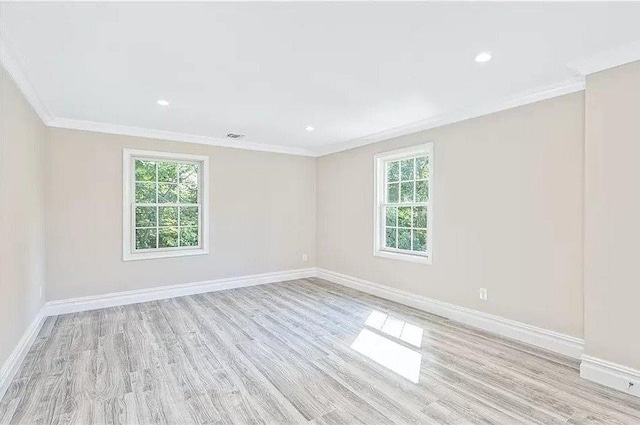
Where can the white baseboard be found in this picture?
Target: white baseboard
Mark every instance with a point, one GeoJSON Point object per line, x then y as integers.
{"type": "Point", "coordinates": [13, 363]}
{"type": "Point", "coordinates": [610, 374]}
{"type": "Point", "coordinates": [73, 305]}
{"type": "Point", "coordinates": [594, 369]}
{"type": "Point", "coordinates": [553, 341]}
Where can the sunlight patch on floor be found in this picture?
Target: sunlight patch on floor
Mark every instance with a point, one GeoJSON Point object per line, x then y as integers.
{"type": "Point", "coordinates": [396, 328]}
{"type": "Point", "coordinates": [395, 357]}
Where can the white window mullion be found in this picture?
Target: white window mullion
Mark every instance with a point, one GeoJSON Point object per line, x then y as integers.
{"type": "Point", "coordinates": [179, 200]}
{"type": "Point", "coordinates": [133, 226]}
{"type": "Point", "coordinates": [157, 210]}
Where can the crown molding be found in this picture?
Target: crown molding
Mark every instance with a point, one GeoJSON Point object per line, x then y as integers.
{"type": "Point", "coordinates": [608, 59]}
{"type": "Point", "coordinates": [12, 64]}
{"type": "Point", "coordinates": [123, 130]}
{"type": "Point", "coordinates": [524, 98]}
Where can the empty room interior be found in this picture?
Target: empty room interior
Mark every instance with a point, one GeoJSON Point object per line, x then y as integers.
{"type": "Point", "coordinates": [323, 213]}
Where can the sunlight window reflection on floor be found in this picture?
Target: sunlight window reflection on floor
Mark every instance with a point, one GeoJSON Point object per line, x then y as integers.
{"type": "Point", "coordinates": [396, 328]}
{"type": "Point", "coordinates": [395, 357]}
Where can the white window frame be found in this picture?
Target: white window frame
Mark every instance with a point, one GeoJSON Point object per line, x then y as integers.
{"type": "Point", "coordinates": [380, 179]}
{"type": "Point", "coordinates": [128, 213]}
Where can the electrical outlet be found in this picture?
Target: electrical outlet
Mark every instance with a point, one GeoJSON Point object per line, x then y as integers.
{"type": "Point", "coordinates": [304, 257]}
{"type": "Point", "coordinates": [483, 294]}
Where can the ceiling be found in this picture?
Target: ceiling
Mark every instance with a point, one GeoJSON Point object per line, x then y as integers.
{"type": "Point", "coordinates": [356, 72]}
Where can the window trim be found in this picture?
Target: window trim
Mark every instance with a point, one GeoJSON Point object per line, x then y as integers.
{"type": "Point", "coordinates": [128, 253]}
{"type": "Point", "coordinates": [379, 200]}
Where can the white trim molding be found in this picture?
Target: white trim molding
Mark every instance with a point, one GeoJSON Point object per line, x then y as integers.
{"type": "Point", "coordinates": [74, 305]}
{"type": "Point", "coordinates": [609, 374]}
{"type": "Point", "coordinates": [451, 117]}
{"type": "Point", "coordinates": [14, 66]}
{"type": "Point", "coordinates": [594, 369]}
{"type": "Point", "coordinates": [12, 365]}
{"type": "Point", "coordinates": [607, 59]}
{"type": "Point", "coordinates": [149, 133]}
{"type": "Point", "coordinates": [554, 341]}
{"type": "Point", "coordinates": [530, 96]}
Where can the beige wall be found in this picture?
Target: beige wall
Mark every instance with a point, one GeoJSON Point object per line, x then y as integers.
{"type": "Point", "coordinates": [507, 215]}
{"type": "Point", "coordinates": [262, 215]}
{"type": "Point", "coordinates": [22, 136]}
{"type": "Point", "coordinates": [612, 215]}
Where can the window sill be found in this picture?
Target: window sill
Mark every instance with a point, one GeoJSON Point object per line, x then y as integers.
{"type": "Point", "coordinates": [163, 254]}
{"type": "Point", "coordinates": [403, 257]}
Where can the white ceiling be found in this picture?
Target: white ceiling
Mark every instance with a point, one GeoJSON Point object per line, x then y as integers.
{"type": "Point", "coordinates": [267, 70]}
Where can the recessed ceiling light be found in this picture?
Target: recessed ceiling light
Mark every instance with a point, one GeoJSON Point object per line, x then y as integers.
{"type": "Point", "coordinates": [483, 57]}
{"type": "Point", "coordinates": [309, 128]}
{"type": "Point", "coordinates": [162, 102]}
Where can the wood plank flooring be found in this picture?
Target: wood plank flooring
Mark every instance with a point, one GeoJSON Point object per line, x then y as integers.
{"type": "Point", "coordinates": [299, 352]}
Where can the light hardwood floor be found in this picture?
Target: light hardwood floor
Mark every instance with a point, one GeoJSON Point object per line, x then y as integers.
{"type": "Point", "coordinates": [296, 352]}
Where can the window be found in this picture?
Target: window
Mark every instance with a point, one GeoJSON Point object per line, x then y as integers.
{"type": "Point", "coordinates": [165, 204]}
{"type": "Point", "coordinates": [403, 213]}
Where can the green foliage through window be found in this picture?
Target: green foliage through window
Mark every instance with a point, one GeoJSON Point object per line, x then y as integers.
{"type": "Point", "coordinates": [393, 171]}
{"type": "Point", "coordinates": [146, 238]}
{"type": "Point", "coordinates": [146, 217]}
{"type": "Point", "coordinates": [145, 171]}
{"type": "Point", "coordinates": [406, 169]}
{"type": "Point", "coordinates": [407, 196]}
{"type": "Point", "coordinates": [166, 209]}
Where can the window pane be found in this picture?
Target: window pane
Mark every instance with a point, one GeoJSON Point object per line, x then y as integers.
{"type": "Point", "coordinates": [406, 192]}
{"type": "Point", "coordinates": [420, 217]}
{"type": "Point", "coordinates": [422, 168]}
{"type": "Point", "coordinates": [390, 241]}
{"type": "Point", "coordinates": [422, 191]}
{"type": "Point", "coordinates": [188, 173]}
{"type": "Point", "coordinates": [146, 217]}
{"type": "Point", "coordinates": [404, 238]}
{"type": "Point", "coordinates": [392, 192]}
{"type": "Point", "coordinates": [145, 171]}
{"type": "Point", "coordinates": [392, 216]}
{"type": "Point", "coordinates": [393, 171]}
{"type": "Point", "coordinates": [146, 193]}
{"type": "Point", "coordinates": [404, 217]}
{"type": "Point", "coordinates": [405, 203]}
{"type": "Point", "coordinates": [406, 169]}
{"type": "Point", "coordinates": [188, 194]}
{"type": "Point", "coordinates": [168, 172]}
{"type": "Point", "coordinates": [168, 237]}
{"type": "Point", "coordinates": [420, 240]}
{"type": "Point", "coordinates": [168, 216]}
{"type": "Point", "coordinates": [189, 236]}
{"type": "Point", "coordinates": [146, 238]}
{"type": "Point", "coordinates": [167, 192]}
{"type": "Point", "coordinates": [188, 216]}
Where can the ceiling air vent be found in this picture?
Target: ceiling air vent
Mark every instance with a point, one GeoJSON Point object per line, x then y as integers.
{"type": "Point", "coordinates": [235, 136]}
